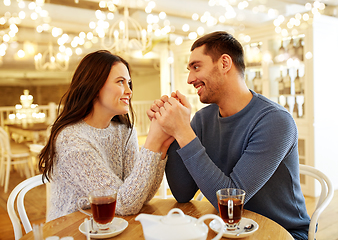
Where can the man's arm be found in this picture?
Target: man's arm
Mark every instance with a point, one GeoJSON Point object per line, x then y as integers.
{"type": "Point", "coordinates": [273, 139]}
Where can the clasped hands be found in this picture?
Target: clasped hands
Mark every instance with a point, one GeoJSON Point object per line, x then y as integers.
{"type": "Point", "coordinates": [173, 116]}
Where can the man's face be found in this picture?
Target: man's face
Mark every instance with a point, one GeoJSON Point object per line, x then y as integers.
{"type": "Point", "coordinates": [205, 76]}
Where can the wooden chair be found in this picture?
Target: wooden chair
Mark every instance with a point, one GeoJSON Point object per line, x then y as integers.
{"type": "Point", "coordinates": [13, 154]}
{"type": "Point", "coordinates": [325, 196]}
{"type": "Point", "coordinates": [19, 192]}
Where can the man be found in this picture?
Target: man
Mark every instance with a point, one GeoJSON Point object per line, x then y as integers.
{"type": "Point", "coordinates": [241, 140]}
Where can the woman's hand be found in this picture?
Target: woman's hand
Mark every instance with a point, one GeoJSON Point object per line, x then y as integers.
{"type": "Point", "coordinates": [157, 140]}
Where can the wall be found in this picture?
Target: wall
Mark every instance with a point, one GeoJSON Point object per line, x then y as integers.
{"type": "Point", "coordinates": [146, 87]}
{"type": "Point", "coordinates": [10, 95]}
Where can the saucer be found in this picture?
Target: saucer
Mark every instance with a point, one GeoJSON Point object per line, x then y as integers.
{"type": "Point", "coordinates": [118, 224]}
{"type": "Point", "coordinates": [215, 226]}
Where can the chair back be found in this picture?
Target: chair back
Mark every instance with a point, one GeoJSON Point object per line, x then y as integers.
{"type": "Point", "coordinates": [5, 142]}
{"type": "Point", "coordinates": [19, 192]}
{"type": "Point", "coordinates": [325, 197]}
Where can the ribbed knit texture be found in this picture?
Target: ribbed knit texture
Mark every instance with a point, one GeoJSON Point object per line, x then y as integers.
{"type": "Point", "coordinates": [256, 150]}
{"type": "Point", "coordinates": [89, 158]}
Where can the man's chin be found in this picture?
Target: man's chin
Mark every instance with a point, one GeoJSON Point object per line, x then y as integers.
{"type": "Point", "coordinates": [203, 100]}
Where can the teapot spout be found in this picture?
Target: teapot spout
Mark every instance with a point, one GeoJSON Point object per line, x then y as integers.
{"type": "Point", "coordinates": [147, 220]}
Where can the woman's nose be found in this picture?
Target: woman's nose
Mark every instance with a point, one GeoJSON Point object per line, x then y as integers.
{"type": "Point", "coordinates": [127, 89]}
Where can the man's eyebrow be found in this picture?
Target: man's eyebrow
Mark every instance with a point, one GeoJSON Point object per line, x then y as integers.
{"type": "Point", "coordinates": [191, 64]}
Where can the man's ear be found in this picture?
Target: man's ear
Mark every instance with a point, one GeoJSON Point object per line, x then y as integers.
{"type": "Point", "coordinates": [225, 62]}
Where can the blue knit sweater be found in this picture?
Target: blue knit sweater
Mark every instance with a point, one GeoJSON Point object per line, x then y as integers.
{"type": "Point", "coordinates": [255, 150]}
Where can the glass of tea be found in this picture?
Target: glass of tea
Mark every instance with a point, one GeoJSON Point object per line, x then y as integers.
{"type": "Point", "coordinates": [230, 205]}
{"type": "Point", "coordinates": [103, 204]}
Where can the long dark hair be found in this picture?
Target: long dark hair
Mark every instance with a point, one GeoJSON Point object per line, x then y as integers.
{"type": "Point", "coordinates": [88, 79]}
{"type": "Point", "coordinates": [219, 43]}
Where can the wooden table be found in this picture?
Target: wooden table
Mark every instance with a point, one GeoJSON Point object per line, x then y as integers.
{"type": "Point", "coordinates": [68, 225]}
{"type": "Point", "coordinates": [36, 132]}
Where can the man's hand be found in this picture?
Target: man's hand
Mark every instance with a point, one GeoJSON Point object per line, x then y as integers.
{"type": "Point", "coordinates": [174, 117]}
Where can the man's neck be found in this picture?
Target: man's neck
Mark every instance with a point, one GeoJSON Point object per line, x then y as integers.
{"type": "Point", "coordinates": [235, 102]}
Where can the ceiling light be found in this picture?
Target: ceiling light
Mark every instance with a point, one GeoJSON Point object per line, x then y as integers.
{"type": "Point", "coordinates": [22, 15]}
{"type": "Point", "coordinates": [162, 15]}
{"type": "Point", "coordinates": [200, 31]}
{"type": "Point", "coordinates": [7, 2]}
{"type": "Point", "coordinates": [195, 17]}
{"type": "Point", "coordinates": [51, 61]}
{"type": "Point", "coordinates": [126, 34]}
{"type": "Point", "coordinates": [192, 35]}
{"type": "Point", "coordinates": [185, 27]}
{"type": "Point", "coordinates": [178, 41]}
{"type": "Point", "coordinates": [32, 5]}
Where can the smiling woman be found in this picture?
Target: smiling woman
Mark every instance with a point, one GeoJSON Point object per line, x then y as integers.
{"type": "Point", "coordinates": [93, 143]}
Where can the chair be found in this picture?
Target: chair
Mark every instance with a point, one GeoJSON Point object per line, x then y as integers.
{"type": "Point", "coordinates": [13, 154]}
{"type": "Point", "coordinates": [35, 150]}
{"type": "Point", "coordinates": [19, 192]}
{"type": "Point", "coordinates": [325, 197]}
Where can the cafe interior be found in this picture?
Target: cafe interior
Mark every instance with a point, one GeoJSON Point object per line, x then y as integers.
{"type": "Point", "coordinates": [285, 41]}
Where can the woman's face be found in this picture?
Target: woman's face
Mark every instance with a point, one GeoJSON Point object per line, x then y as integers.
{"type": "Point", "coordinates": [115, 94]}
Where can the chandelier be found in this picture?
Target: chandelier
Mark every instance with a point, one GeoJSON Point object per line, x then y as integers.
{"type": "Point", "coordinates": [49, 61]}
{"type": "Point", "coordinates": [127, 35]}
{"type": "Point", "coordinates": [26, 112]}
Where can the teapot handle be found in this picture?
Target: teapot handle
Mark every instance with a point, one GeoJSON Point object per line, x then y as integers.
{"type": "Point", "coordinates": [176, 210]}
{"type": "Point", "coordinates": [220, 220]}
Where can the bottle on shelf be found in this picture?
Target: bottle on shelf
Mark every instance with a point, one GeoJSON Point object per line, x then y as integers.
{"type": "Point", "coordinates": [287, 83]}
{"type": "Point", "coordinates": [257, 82]}
{"type": "Point", "coordinates": [281, 50]}
{"type": "Point", "coordinates": [257, 60]}
{"type": "Point", "coordinates": [281, 55]}
{"type": "Point", "coordinates": [295, 112]}
{"type": "Point", "coordinates": [298, 85]}
{"type": "Point", "coordinates": [291, 50]}
{"type": "Point", "coordinates": [300, 50]}
{"type": "Point", "coordinates": [280, 83]}
{"type": "Point", "coordinates": [287, 107]}
{"type": "Point", "coordinates": [302, 84]}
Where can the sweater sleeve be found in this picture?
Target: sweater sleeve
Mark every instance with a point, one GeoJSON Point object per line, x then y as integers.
{"type": "Point", "coordinates": [272, 138]}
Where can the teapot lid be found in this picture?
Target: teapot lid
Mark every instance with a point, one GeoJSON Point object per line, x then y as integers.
{"type": "Point", "coordinates": [173, 218]}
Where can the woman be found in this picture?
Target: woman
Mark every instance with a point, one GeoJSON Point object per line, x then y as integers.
{"type": "Point", "coordinates": [93, 143]}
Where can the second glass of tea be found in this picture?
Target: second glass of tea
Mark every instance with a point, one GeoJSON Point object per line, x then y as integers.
{"type": "Point", "coordinates": [230, 204]}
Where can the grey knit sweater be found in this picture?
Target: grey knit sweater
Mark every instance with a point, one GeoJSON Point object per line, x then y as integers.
{"type": "Point", "coordinates": [88, 158]}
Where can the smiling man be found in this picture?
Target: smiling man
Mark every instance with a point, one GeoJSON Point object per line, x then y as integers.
{"type": "Point", "coordinates": [241, 140]}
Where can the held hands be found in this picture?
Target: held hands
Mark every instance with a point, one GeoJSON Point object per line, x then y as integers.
{"type": "Point", "coordinates": [173, 114]}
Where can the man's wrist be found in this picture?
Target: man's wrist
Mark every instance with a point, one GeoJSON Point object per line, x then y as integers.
{"type": "Point", "coordinates": [185, 137]}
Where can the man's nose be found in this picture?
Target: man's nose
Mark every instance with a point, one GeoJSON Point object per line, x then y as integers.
{"type": "Point", "coordinates": [191, 78]}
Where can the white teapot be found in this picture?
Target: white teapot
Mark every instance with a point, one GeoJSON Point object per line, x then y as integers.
{"type": "Point", "coordinates": [176, 225]}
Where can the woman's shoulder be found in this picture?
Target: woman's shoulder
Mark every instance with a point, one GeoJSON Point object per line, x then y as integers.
{"type": "Point", "coordinates": [71, 130]}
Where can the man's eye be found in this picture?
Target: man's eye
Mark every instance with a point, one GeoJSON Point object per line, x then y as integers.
{"type": "Point", "coordinates": [195, 67]}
